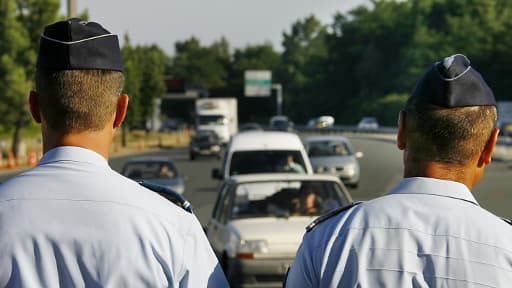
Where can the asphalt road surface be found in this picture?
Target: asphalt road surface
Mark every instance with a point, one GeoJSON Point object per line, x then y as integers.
{"type": "Point", "coordinates": [381, 169]}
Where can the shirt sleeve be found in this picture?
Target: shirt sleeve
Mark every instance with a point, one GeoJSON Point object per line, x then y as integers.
{"type": "Point", "coordinates": [302, 273]}
{"type": "Point", "coordinates": [201, 266]}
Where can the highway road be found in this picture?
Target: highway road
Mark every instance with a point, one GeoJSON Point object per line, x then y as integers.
{"type": "Point", "coordinates": [381, 169]}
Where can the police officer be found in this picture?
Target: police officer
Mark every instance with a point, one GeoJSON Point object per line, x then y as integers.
{"type": "Point", "coordinates": [72, 221]}
{"type": "Point", "coordinates": [429, 231]}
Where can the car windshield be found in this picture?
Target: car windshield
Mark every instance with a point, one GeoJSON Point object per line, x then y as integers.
{"type": "Point", "coordinates": [286, 198]}
{"type": "Point", "coordinates": [212, 120]}
{"type": "Point", "coordinates": [150, 170]}
{"type": "Point", "coordinates": [328, 148]}
{"type": "Point", "coordinates": [266, 161]}
{"type": "Point", "coordinates": [204, 138]}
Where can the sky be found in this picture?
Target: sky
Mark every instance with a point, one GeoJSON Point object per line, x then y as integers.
{"type": "Point", "coordinates": [241, 22]}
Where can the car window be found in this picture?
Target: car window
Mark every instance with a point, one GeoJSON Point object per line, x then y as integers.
{"type": "Point", "coordinates": [212, 120]}
{"type": "Point", "coordinates": [224, 206]}
{"type": "Point", "coordinates": [248, 162]}
{"type": "Point", "coordinates": [150, 170]}
{"type": "Point", "coordinates": [286, 198]}
{"type": "Point", "coordinates": [218, 204]}
{"type": "Point", "coordinates": [328, 148]}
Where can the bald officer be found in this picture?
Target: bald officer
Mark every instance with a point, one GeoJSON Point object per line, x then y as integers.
{"type": "Point", "coordinates": [72, 221]}
{"type": "Point", "coordinates": [428, 231]}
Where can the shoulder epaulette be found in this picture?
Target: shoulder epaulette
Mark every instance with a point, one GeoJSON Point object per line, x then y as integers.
{"type": "Point", "coordinates": [329, 215]}
{"type": "Point", "coordinates": [507, 220]}
{"type": "Point", "coordinates": [169, 194]}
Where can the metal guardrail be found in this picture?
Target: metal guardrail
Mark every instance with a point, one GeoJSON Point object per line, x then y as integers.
{"type": "Point", "coordinates": [347, 128]}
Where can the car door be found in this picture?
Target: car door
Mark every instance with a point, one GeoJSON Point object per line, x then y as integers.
{"type": "Point", "coordinates": [216, 225]}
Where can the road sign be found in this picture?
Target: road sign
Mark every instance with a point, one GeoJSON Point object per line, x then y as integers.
{"type": "Point", "coordinates": [258, 83]}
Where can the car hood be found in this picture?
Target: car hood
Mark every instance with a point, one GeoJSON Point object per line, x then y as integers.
{"type": "Point", "coordinates": [283, 235]}
{"type": "Point", "coordinates": [332, 161]}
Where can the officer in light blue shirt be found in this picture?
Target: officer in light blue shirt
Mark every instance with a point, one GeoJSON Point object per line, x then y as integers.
{"type": "Point", "coordinates": [74, 222]}
{"type": "Point", "coordinates": [429, 231]}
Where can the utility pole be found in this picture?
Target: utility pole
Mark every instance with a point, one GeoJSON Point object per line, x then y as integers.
{"type": "Point", "coordinates": [279, 98]}
{"type": "Point", "coordinates": [71, 8]}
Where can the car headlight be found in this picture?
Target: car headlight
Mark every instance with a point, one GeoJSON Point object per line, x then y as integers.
{"type": "Point", "coordinates": [215, 148]}
{"type": "Point", "coordinates": [195, 148]}
{"type": "Point", "coordinates": [247, 248]}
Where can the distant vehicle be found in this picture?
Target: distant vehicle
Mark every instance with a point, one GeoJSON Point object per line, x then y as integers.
{"type": "Point", "coordinates": [251, 126]}
{"type": "Point", "coordinates": [321, 122]}
{"type": "Point", "coordinates": [258, 222]}
{"type": "Point", "coordinates": [263, 152]}
{"type": "Point", "coordinates": [205, 143]}
{"type": "Point", "coordinates": [280, 123]}
{"type": "Point", "coordinates": [173, 125]}
{"type": "Point", "coordinates": [334, 155]}
{"type": "Point", "coordinates": [368, 123]}
{"type": "Point", "coordinates": [156, 170]}
{"type": "Point", "coordinates": [219, 115]}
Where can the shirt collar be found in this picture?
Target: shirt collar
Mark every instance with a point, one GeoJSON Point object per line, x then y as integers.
{"type": "Point", "coordinates": [432, 186]}
{"type": "Point", "coordinates": [73, 153]}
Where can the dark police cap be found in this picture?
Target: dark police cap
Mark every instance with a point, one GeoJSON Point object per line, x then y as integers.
{"type": "Point", "coordinates": [78, 45]}
{"type": "Point", "coordinates": [453, 83]}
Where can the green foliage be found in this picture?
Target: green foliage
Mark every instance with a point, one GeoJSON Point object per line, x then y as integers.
{"type": "Point", "coordinates": [143, 71]}
{"type": "Point", "coordinates": [202, 66]}
{"type": "Point", "coordinates": [14, 87]}
{"type": "Point", "coordinates": [386, 109]}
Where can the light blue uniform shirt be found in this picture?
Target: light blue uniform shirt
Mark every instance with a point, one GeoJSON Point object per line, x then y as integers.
{"type": "Point", "coordinates": [74, 222]}
{"type": "Point", "coordinates": [424, 233]}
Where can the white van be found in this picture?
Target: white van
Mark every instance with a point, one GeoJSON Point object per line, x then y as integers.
{"type": "Point", "coordinates": [264, 152]}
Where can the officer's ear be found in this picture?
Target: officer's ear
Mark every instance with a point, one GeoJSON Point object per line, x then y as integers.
{"type": "Point", "coordinates": [34, 106]}
{"type": "Point", "coordinates": [400, 139]}
{"type": "Point", "coordinates": [122, 106]}
{"type": "Point", "coordinates": [486, 155]}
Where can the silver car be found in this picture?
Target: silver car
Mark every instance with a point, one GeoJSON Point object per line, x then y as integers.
{"type": "Point", "coordinates": [157, 170]}
{"type": "Point", "coordinates": [334, 155]}
{"type": "Point", "coordinates": [259, 219]}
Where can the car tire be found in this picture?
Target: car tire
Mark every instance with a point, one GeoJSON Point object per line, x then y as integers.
{"type": "Point", "coordinates": [192, 156]}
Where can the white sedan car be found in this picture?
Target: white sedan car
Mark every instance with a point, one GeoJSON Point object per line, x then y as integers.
{"type": "Point", "coordinates": [258, 222]}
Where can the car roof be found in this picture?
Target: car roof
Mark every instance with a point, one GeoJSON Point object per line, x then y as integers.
{"type": "Point", "coordinates": [149, 159]}
{"type": "Point", "coordinates": [265, 140]}
{"type": "Point", "coordinates": [271, 177]}
{"type": "Point", "coordinates": [325, 138]}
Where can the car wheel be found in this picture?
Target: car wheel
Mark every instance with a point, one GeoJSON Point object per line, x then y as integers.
{"type": "Point", "coordinates": [192, 156]}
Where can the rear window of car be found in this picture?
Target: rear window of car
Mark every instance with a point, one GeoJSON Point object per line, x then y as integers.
{"type": "Point", "coordinates": [266, 161]}
{"type": "Point", "coordinates": [149, 170]}
{"type": "Point", "coordinates": [328, 148]}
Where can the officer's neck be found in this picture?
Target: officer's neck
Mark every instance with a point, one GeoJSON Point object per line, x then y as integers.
{"type": "Point", "coordinates": [464, 174]}
{"type": "Point", "coordinates": [97, 141]}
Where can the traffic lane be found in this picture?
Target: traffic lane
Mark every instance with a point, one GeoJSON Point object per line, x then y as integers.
{"type": "Point", "coordinates": [200, 188]}
{"type": "Point", "coordinates": [382, 169]}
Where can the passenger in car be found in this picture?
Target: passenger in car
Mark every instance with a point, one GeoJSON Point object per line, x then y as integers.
{"type": "Point", "coordinates": [291, 166]}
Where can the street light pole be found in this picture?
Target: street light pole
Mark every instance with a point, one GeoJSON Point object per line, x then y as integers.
{"type": "Point", "coordinates": [279, 98]}
{"type": "Point", "coordinates": [71, 8]}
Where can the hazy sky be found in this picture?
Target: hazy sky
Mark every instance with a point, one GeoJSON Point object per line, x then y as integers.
{"type": "Point", "coordinates": [241, 22]}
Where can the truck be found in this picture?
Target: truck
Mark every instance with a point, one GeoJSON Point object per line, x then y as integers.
{"type": "Point", "coordinates": [219, 115]}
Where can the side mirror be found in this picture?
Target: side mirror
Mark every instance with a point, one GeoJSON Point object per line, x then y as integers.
{"type": "Point", "coordinates": [359, 154]}
{"type": "Point", "coordinates": [216, 174]}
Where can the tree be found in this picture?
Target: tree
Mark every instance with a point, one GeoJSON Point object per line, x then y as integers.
{"type": "Point", "coordinates": [152, 85]}
{"type": "Point", "coordinates": [303, 59]}
{"type": "Point", "coordinates": [14, 85]}
{"type": "Point", "coordinates": [202, 66]}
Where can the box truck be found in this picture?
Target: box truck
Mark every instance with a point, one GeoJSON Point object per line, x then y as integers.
{"type": "Point", "coordinates": [219, 115]}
